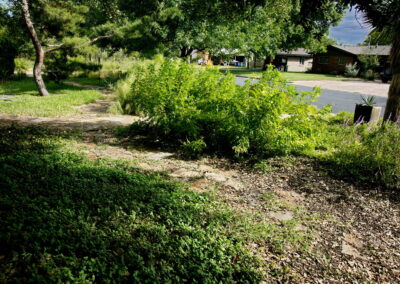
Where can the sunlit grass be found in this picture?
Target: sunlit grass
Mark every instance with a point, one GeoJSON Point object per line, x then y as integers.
{"type": "Point", "coordinates": [22, 98]}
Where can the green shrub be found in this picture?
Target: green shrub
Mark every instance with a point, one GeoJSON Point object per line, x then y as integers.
{"type": "Point", "coordinates": [368, 154]}
{"type": "Point", "coordinates": [188, 103]}
{"type": "Point", "coordinates": [23, 65]}
{"type": "Point", "coordinates": [369, 75]}
{"type": "Point", "coordinates": [351, 70]}
{"type": "Point", "coordinates": [368, 62]}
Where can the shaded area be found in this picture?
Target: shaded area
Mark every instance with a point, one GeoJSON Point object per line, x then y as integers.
{"type": "Point", "coordinates": [27, 87]}
{"type": "Point", "coordinates": [64, 218]}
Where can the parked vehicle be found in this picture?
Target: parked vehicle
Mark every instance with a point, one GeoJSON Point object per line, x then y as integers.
{"type": "Point", "coordinates": [386, 74]}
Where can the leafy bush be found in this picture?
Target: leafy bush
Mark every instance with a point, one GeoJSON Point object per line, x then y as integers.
{"type": "Point", "coordinates": [351, 70]}
{"type": "Point", "coordinates": [368, 154]}
{"type": "Point", "coordinates": [188, 103]}
{"type": "Point", "coordinates": [368, 62]}
{"type": "Point", "coordinates": [369, 75]}
{"type": "Point", "coordinates": [65, 219]}
{"type": "Point", "coordinates": [23, 65]}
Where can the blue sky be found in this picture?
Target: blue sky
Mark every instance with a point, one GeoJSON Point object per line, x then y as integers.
{"type": "Point", "coordinates": [351, 30]}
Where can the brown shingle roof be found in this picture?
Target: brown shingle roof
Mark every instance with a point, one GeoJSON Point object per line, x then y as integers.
{"type": "Point", "coordinates": [365, 50]}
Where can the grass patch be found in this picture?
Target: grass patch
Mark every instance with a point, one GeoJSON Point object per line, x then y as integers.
{"type": "Point", "coordinates": [21, 97]}
{"type": "Point", "coordinates": [294, 76]}
{"type": "Point", "coordinates": [93, 81]}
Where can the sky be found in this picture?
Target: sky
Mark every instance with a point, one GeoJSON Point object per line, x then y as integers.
{"type": "Point", "coordinates": [351, 31]}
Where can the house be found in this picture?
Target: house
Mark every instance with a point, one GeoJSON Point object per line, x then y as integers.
{"type": "Point", "coordinates": [299, 60]}
{"type": "Point", "coordinates": [336, 57]}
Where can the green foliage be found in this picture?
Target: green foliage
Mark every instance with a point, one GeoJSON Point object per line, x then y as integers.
{"type": "Point", "coordinates": [62, 64]}
{"type": "Point", "coordinates": [369, 75]}
{"type": "Point", "coordinates": [379, 37]}
{"type": "Point", "coordinates": [65, 219]}
{"type": "Point", "coordinates": [10, 41]}
{"type": "Point", "coordinates": [368, 154]}
{"type": "Point", "coordinates": [368, 62]}
{"type": "Point", "coordinates": [23, 65]}
{"type": "Point", "coordinates": [194, 148]}
{"type": "Point", "coordinates": [369, 101]}
{"type": "Point", "coordinates": [23, 99]}
{"type": "Point", "coordinates": [351, 70]}
{"type": "Point", "coordinates": [188, 103]}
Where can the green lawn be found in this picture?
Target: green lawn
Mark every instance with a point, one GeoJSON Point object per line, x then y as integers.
{"type": "Point", "coordinates": [294, 76]}
{"type": "Point", "coordinates": [21, 97]}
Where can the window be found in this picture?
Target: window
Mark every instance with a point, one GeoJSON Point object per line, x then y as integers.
{"type": "Point", "coordinates": [324, 60]}
{"type": "Point", "coordinates": [341, 60]}
{"type": "Point", "coordinates": [301, 60]}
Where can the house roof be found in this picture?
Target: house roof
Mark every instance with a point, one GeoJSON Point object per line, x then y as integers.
{"type": "Point", "coordinates": [301, 52]}
{"type": "Point", "coordinates": [365, 50]}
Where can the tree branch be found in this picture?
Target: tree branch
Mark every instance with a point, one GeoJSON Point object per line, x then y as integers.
{"type": "Point", "coordinates": [99, 38]}
{"type": "Point", "coordinates": [60, 46]}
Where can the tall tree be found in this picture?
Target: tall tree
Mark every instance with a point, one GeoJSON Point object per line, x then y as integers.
{"type": "Point", "coordinates": [40, 52]}
{"type": "Point", "coordinates": [52, 26]}
{"type": "Point", "coordinates": [12, 37]}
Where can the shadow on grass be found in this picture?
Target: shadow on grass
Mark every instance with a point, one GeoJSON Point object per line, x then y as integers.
{"type": "Point", "coordinates": [27, 87]}
{"type": "Point", "coordinates": [64, 218]}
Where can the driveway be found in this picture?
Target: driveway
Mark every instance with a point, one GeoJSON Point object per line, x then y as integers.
{"type": "Point", "coordinates": [341, 95]}
{"type": "Point", "coordinates": [360, 87]}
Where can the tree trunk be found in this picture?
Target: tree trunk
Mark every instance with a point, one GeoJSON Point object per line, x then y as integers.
{"type": "Point", "coordinates": [186, 51]}
{"type": "Point", "coordinates": [267, 61]}
{"type": "Point", "coordinates": [40, 52]}
{"type": "Point", "coordinates": [392, 111]}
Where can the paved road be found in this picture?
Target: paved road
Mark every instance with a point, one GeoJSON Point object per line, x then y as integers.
{"type": "Point", "coordinates": [340, 101]}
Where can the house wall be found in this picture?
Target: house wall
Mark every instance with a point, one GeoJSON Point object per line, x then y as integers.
{"type": "Point", "coordinates": [294, 64]}
{"type": "Point", "coordinates": [332, 61]}
{"type": "Point", "coordinates": [329, 63]}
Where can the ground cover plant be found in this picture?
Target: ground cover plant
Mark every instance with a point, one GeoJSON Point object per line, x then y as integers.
{"type": "Point", "coordinates": [365, 153]}
{"type": "Point", "coordinates": [65, 218]}
{"type": "Point", "coordinates": [21, 97]}
{"type": "Point", "coordinates": [206, 111]}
